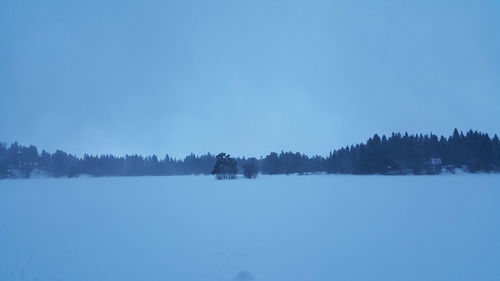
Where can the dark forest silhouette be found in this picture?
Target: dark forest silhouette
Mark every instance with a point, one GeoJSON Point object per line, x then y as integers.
{"type": "Point", "coordinates": [393, 155]}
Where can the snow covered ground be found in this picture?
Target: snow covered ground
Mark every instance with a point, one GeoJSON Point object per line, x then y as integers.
{"type": "Point", "coordinates": [307, 228]}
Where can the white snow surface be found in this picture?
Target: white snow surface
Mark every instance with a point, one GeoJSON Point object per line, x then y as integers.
{"type": "Point", "coordinates": [304, 228]}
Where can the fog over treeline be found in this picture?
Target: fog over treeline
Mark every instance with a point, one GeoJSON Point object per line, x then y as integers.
{"type": "Point", "coordinates": [392, 155]}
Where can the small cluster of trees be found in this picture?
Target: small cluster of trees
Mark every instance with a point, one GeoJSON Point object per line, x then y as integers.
{"type": "Point", "coordinates": [396, 154]}
{"type": "Point", "coordinates": [226, 167]}
{"type": "Point", "coordinates": [250, 169]}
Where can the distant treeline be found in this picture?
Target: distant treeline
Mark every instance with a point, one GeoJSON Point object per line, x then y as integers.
{"type": "Point", "coordinates": [396, 154]}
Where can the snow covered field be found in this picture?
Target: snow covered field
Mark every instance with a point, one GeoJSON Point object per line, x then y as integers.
{"type": "Point", "coordinates": [275, 228]}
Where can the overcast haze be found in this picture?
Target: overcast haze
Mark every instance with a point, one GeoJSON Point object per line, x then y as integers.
{"type": "Point", "coordinates": [244, 77]}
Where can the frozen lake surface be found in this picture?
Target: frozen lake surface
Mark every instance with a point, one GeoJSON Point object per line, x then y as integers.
{"type": "Point", "coordinates": [275, 228]}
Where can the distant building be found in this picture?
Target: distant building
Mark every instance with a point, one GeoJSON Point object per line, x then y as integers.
{"type": "Point", "coordinates": [435, 161]}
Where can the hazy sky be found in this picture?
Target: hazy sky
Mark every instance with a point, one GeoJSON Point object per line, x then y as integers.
{"type": "Point", "coordinates": [244, 77]}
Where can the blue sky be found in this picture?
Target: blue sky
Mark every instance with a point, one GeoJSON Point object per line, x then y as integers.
{"type": "Point", "coordinates": [245, 77]}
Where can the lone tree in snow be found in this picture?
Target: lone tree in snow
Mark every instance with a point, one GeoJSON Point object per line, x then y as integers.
{"type": "Point", "coordinates": [225, 167]}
